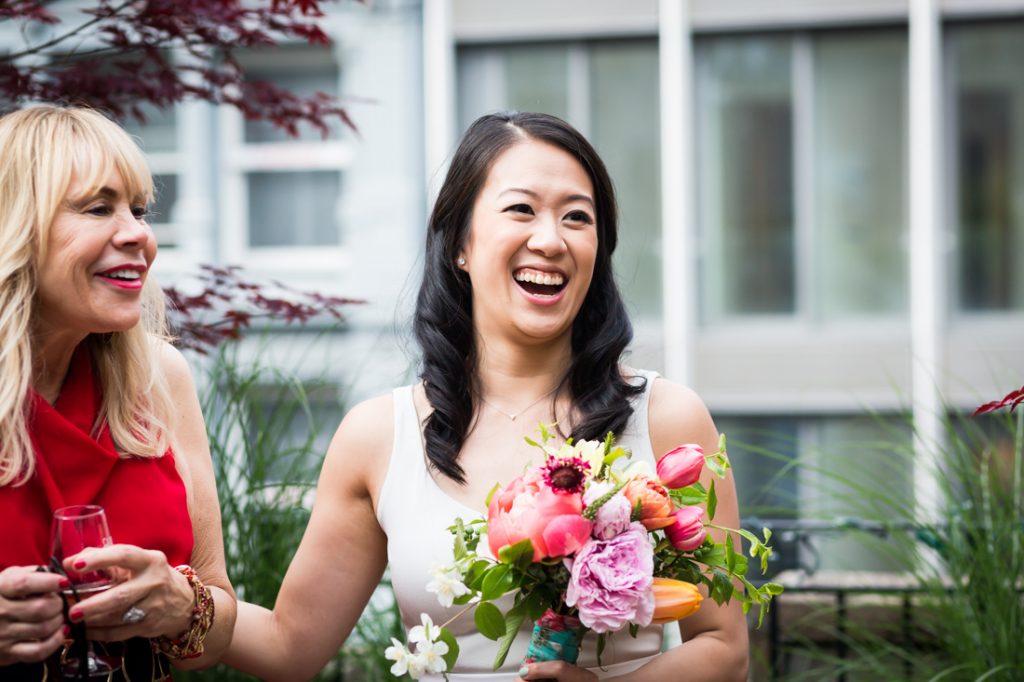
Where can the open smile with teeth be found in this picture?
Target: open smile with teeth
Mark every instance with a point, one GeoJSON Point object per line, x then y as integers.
{"type": "Point", "coordinates": [539, 283]}
{"type": "Point", "coordinates": [125, 275]}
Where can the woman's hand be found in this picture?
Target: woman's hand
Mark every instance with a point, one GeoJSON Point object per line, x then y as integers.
{"type": "Point", "coordinates": [31, 618]}
{"type": "Point", "coordinates": [555, 670]}
{"type": "Point", "coordinates": [148, 597]}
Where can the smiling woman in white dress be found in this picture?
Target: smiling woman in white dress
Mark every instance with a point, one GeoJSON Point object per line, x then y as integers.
{"type": "Point", "coordinates": [519, 322]}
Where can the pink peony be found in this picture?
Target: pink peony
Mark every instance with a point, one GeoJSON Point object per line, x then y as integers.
{"type": "Point", "coordinates": [687, 531]}
{"type": "Point", "coordinates": [681, 466]}
{"type": "Point", "coordinates": [613, 517]}
{"type": "Point", "coordinates": [611, 581]}
{"type": "Point", "coordinates": [528, 509]}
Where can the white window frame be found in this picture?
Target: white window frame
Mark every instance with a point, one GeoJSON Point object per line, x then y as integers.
{"type": "Point", "coordinates": [239, 158]}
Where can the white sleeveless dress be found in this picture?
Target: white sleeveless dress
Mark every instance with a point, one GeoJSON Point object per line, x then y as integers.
{"type": "Point", "coordinates": [415, 514]}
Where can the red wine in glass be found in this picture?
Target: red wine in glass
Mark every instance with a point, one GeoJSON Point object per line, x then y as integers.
{"type": "Point", "coordinates": [74, 529]}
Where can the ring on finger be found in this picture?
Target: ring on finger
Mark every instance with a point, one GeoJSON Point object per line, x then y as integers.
{"type": "Point", "coordinates": [133, 615]}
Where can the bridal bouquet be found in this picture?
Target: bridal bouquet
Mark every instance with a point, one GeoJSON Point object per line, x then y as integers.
{"type": "Point", "coordinates": [587, 541]}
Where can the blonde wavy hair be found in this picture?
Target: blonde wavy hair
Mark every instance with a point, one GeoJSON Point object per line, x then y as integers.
{"type": "Point", "coordinates": [43, 148]}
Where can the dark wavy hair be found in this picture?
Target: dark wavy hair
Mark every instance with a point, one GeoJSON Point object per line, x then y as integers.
{"type": "Point", "coordinates": [443, 322]}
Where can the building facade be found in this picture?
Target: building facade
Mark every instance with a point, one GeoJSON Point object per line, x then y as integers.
{"type": "Point", "coordinates": [822, 201]}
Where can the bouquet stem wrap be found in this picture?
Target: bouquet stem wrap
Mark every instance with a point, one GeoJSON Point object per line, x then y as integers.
{"type": "Point", "coordinates": [555, 637]}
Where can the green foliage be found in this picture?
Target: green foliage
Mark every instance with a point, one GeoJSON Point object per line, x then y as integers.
{"type": "Point", "coordinates": [263, 428]}
{"type": "Point", "coordinates": [966, 564]}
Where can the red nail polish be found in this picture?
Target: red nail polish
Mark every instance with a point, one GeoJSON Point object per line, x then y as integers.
{"type": "Point", "coordinates": [67, 631]}
{"type": "Point", "coordinates": [79, 563]}
{"type": "Point", "coordinates": [75, 615]}
{"type": "Point", "coordinates": [64, 583]}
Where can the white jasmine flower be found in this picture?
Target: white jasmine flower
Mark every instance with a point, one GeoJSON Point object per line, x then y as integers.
{"type": "Point", "coordinates": [425, 632]}
{"type": "Point", "coordinates": [446, 584]}
{"type": "Point", "coordinates": [400, 655]}
{"type": "Point", "coordinates": [430, 655]}
{"type": "Point", "coordinates": [416, 667]}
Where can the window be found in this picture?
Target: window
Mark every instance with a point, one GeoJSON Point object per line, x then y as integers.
{"type": "Point", "coordinates": [800, 175]}
{"type": "Point", "coordinates": [823, 468]}
{"type": "Point", "coordinates": [987, 98]}
{"type": "Point", "coordinates": [763, 451]}
{"type": "Point", "coordinates": [609, 91]}
{"type": "Point", "coordinates": [289, 428]}
{"type": "Point", "coordinates": [285, 193]}
{"type": "Point", "coordinates": [158, 137]}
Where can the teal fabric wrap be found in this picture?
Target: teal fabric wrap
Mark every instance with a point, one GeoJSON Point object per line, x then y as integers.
{"type": "Point", "coordinates": [555, 638]}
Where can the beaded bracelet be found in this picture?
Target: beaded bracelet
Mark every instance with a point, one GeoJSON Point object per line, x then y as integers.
{"type": "Point", "coordinates": [189, 644]}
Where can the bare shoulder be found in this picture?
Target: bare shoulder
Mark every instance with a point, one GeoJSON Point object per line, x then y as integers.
{"type": "Point", "coordinates": [676, 415]}
{"type": "Point", "coordinates": [173, 366]}
{"type": "Point", "coordinates": [361, 447]}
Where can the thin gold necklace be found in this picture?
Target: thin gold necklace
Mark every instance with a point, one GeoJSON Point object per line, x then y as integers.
{"type": "Point", "coordinates": [514, 415]}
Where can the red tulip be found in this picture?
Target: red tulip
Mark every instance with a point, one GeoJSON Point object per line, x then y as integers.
{"type": "Point", "coordinates": [687, 531]}
{"type": "Point", "coordinates": [681, 467]}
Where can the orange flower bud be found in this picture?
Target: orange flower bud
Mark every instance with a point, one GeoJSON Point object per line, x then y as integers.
{"type": "Point", "coordinates": [655, 505]}
{"type": "Point", "coordinates": [674, 600]}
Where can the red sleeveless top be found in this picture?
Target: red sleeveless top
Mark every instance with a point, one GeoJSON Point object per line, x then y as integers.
{"type": "Point", "coordinates": [144, 496]}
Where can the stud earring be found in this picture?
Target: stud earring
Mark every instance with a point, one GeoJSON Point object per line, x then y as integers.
{"type": "Point", "coordinates": [460, 261]}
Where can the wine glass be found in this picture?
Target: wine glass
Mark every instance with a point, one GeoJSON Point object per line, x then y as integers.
{"type": "Point", "coordinates": [74, 529]}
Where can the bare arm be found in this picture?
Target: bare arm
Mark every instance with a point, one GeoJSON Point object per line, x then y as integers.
{"type": "Point", "coordinates": [338, 564]}
{"type": "Point", "coordinates": [193, 449]}
{"type": "Point", "coordinates": [163, 593]}
{"type": "Point", "coordinates": [715, 646]}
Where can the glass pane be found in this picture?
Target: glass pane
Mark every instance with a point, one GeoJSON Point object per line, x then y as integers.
{"type": "Point", "coordinates": [480, 83]}
{"type": "Point", "coordinates": [762, 451]}
{"type": "Point", "coordinates": [166, 187]}
{"type": "Point", "coordinates": [745, 175]}
{"type": "Point", "coordinates": [159, 132]}
{"type": "Point", "coordinates": [536, 79]}
{"type": "Point", "coordinates": [289, 442]}
{"type": "Point", "coordinates": [624, 121]}
{"type": "Point", "coordinates": [304, 71]}
{"type": "Point", "coordinates": [989, 96]}
{"type": "Point", "coordinates": [859, 172]}
{"type": "Point", "coordinates": [294, 209]}
{"type": "Point", "coordinates": [860, 467]}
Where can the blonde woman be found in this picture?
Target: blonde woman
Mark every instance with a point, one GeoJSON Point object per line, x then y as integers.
{"type": "Point", "coordinates": [96, 408]}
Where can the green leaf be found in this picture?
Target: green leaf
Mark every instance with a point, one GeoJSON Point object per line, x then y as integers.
{"type": "Point", "coordinates": [514, 554]}
{"type": "Point", "coordinates": [453, 648]}
{"type": "Point", "coordinates": [459, 546]}
{"type": "Point", "coordinates": [495, 488]}
{"type": "Point", "coordinates": [513, 620]}
{"type": "Point", "coordinates": [534, 605]}
{"type": "Point", "coordinates": [634, 629]}
{"type": "Point", "coordinates": [688, 496]}
{"type": "Point", "coordinates": [721, 588]}
{"type": "Point", "coordinates": [497, 581]}
{"type": "Point", "coordinates": [712, 501]}
{"type": "Point", "coordinates": [489, 621]}
{"type": "Point", "coordinates": [730, 554]}
{"type": "Point", "coordinates": [614, 455]}
{"type": "Point", "coordinates": [600, 646]}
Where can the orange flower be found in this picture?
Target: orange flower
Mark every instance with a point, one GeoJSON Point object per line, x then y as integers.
{"type": "Point", "coordinates": [674, 600]}
{"type": "Point", "coordinates": [655, 505]}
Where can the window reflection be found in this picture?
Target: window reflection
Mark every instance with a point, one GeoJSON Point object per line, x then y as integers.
{"type": "Point", "coordinates": [293, 208]}
{"type": "Point", "coordinates": [989, 101]}
{"type": "Point", "coordinates": [745, 175]}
